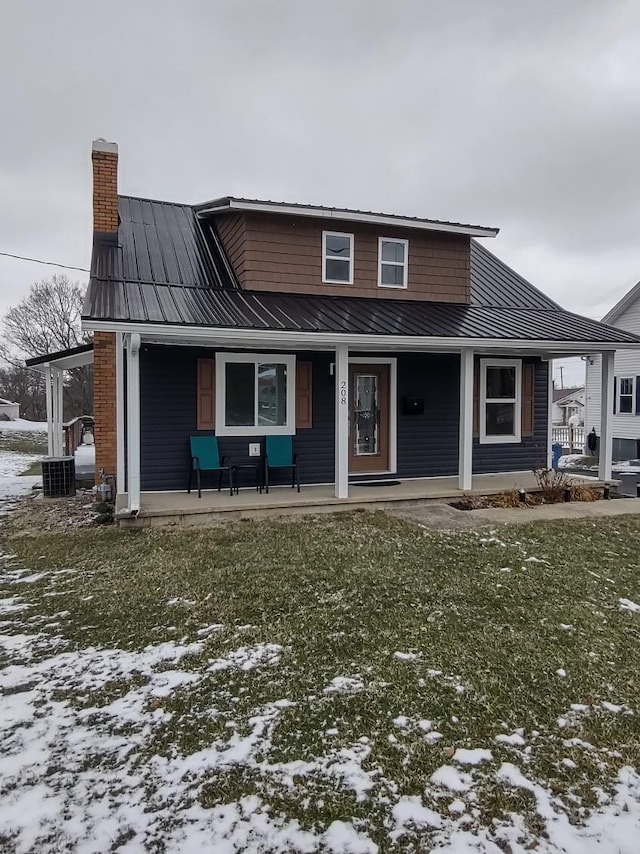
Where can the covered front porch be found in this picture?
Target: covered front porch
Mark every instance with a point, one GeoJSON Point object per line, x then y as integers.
{"type": "Point", "coordinates": [181, 508]}
{"type": "Point", "coordinates": [437, 452]}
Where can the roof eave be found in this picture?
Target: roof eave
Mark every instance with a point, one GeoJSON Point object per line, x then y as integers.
{"type": "Point", "coordinates": [230, 205]}
{"type": "Point", "coordinates": [621, 306]}
{"type": "Point", "coordinates": [262, 337]}
{"type": "Point", "coordinates": [72, 357]}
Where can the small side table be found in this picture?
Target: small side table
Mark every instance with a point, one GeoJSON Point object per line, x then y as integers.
{"type": "Point", "coordinates": [256, 468]}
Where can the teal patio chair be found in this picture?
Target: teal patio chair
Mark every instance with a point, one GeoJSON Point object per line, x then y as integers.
{"type": "Point", "coordinates": [206, 457]}
{"type": "Point", "coordinates": [279, 455]}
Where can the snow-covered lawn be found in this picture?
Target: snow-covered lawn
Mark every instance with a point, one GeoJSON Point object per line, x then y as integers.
{"type": "Point", "coordinates": [22, 443]}
{"type": "Point", "coordinates": [343, 684]}
{"type": "Point", "coordinates": [12, 464]}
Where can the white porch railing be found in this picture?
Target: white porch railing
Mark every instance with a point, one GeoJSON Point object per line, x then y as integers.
{"type": "Point", "coordinates": [571, 438]}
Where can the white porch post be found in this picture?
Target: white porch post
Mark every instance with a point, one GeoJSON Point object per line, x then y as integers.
{"type": "Point", "coordinates": [550, 413]}
{"type": "Point", "coordinates": [342, 422]}
{"type": "Point", "coordinates": [465, 450]}
{"type": "Point", "coordinates": [58, 389]}
{"type": "Point", "coordinates": [120, 440]}
{"type": "Point", "coordinates": [48, 390]}
{"type": "Point", "coordinates": [606, 417]}
{"type": "Point", "coordinates": [133, 422]}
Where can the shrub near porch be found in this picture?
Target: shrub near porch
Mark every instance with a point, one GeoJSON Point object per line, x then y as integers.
{"type": "Point", "coordinates": [347, 683]}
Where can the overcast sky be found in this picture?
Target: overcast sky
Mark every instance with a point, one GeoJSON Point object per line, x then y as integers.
{"type": "Point", "coordinates": [523, 115]}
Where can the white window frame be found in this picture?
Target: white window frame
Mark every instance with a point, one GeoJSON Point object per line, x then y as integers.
{"type": "Point", "coordinates": [351, 237]}
{"type": "Point", "coordinates": [517, 401]}
{"type": "Point", "coordinates": [224, 359]}
{"type": "Point", "coordinates": [404, 264]}
{"type": "Point", "coordinates": [620, 395]}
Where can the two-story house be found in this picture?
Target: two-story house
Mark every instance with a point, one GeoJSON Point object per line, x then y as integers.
{"type": "Point", "coordinates": [625, 430]}
{"type": "Point", "coordinates": [389, 347]}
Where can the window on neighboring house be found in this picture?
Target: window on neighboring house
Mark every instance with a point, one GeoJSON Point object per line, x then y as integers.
{"type": "Point", "coordinates": [337, 258]}
{"type": "Point", "coordinates": [393, 262]}
{"type": "Point", "coordinates": [500, 400]}
{"type": "Point", "coordinates": [255, 394]}
{"type": "Point", "coordinates": [626, 395]}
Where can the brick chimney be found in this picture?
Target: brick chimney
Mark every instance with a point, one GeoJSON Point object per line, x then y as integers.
{"type": "Point", "coordinates": [104, 159]}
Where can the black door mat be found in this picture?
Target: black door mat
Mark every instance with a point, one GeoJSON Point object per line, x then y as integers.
{"type": "Point", "coordinates": [374, 483]}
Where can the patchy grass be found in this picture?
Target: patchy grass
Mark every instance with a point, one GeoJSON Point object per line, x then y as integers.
{"type": "Point", "coordinates": [328, 668]}
{"type": "Point", "coordinates": [23, 443]}
{"type": "Point", "coordinates": [34, 470]}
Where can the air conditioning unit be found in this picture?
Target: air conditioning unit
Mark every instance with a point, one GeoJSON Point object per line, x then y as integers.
{"type": "Point", "coordinates": [58, 477]}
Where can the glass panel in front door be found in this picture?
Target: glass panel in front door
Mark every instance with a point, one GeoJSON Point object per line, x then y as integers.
{"type": "Point", "coordinates": [366, 415]}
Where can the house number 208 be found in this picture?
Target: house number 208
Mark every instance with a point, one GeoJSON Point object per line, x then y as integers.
{"type": "Point", "coordinates": [343, 393]}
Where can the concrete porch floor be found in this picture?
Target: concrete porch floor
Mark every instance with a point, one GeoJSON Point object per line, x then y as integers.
{"type": "Point", "coordinates": [181, 508]}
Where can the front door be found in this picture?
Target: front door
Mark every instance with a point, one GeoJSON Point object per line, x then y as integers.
{"type": "Point", "coordinates": [368, 418]}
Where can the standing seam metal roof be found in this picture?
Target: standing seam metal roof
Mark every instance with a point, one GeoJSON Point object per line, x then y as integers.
{"type": "Point", "coordinates": [169, 267]}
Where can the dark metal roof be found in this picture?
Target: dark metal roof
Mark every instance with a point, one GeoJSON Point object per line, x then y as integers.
{"type": "Point", "coordinates": [59, 354]}
{"type": "Point", "coordinates": [234, 201]}
{"type": "Point", "coordinates": [495, 283]}
{"type": "Point", "coordinates": [237, 309]}
{"type": "Point", "coordinates": [163, 243]}
{"type": "Point", "coordinates": [169, 268]}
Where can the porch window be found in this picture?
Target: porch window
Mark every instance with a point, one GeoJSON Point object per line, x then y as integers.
{"type": "Point", "coordinates": [626, 395]}
{"type": "Point", "coordinates": [500, 400]}
{"type": "Point", "coordinates": [393, 261]}
{"type": "Point", "coordinates": [255, 394]}
{"type": "Point", "coordinates": [337, 258]}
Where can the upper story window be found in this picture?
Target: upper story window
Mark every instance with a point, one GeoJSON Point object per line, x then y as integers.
{"type": "Point", "coordinates": [626, 395]}
{"type": "Point", "coordinates": [337, 258]}
{"type": "Point", "coordinates": [500, 400]}
{"type": "Point", "coordinates": [393, 262]}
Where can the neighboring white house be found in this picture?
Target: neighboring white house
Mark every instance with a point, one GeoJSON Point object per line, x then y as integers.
{"type": "Point", "coordinates": [9, 409]}
{"type": "Point", "coordinates": [626, 418]}
{"type": "Point", "coordinates": [568, 403]}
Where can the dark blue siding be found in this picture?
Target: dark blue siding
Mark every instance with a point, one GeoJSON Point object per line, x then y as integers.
{"type": "Point", "coordinates": [532, 451]}
{"type": "Point", "coordinates": [168, 418]}
{"type": "Point", "coordinates": [427, 443]}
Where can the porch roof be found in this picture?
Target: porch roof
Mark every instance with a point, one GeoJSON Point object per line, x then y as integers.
{"type": "Point", "coordinates": [177, 306]}
{"type": "Point", "coordinates": [72, 357]}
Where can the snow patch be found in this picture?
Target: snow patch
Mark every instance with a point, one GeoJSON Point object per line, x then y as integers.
{"type": "Point", "coordinates": [628, 605]}
{"type": "Point", "coordinates": [248, 657]}
{"type": "Point", "coordinates": [514, 740]}
{"type": "Point", "coordinates": [472, 757]}
{"type": "Point", "coordinates": [451, 778]}
{"type": "Point", "coordinates": [410, 812]}
{"type": "Point", "coordinates": [406, 656]}
{"type": "Point", "coordinates": [345, 685]}
{"type": "Point", "coordinates": [342, 838]}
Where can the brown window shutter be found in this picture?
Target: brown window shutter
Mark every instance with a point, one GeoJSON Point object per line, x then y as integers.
{"type": "Point", "coordinates": [527, 398]}
{"type": "Point", "coordinates": [303, 394]}
{"type": "Point", "coordinates": [476, 399]}
{"type": "Point", "coordinates": [206, 394]}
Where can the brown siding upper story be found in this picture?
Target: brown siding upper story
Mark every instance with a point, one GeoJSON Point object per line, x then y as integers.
{"type": "Point", "coordinates": [278, 252]}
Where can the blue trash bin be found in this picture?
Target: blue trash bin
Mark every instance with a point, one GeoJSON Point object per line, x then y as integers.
{"type": "Point", "coordinates": [556, 453]}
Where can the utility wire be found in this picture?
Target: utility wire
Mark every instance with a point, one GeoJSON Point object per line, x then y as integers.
{"type": "Point", "coordinates": [49, 263]}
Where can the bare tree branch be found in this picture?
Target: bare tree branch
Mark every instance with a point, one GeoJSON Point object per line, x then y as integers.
{"type": "Point", "coordinates": [46, 320]}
